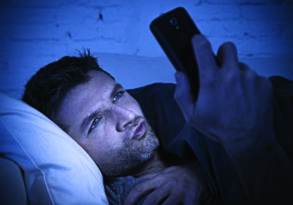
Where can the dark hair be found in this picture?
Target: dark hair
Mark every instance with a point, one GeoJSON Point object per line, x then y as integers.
{"type": "Point", "coordinates": [47, 88]}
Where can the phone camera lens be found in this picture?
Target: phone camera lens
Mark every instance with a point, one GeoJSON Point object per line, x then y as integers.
{"type": "Point", "coordinates": [174, 22]}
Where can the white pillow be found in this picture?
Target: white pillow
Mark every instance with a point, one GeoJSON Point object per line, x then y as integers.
{"type": "Point", "coordinates": [56, 169]}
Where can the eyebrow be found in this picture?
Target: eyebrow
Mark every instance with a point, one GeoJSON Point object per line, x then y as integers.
{"type": "Point", "coordinates": [115, 89]}
{"type": "Point", "coordinates": [90, 117]}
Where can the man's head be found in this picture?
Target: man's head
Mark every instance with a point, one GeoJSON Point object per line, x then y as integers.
{"type": "Point", "coordinates": [95, 111]}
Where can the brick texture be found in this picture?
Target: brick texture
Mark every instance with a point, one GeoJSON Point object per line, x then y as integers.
{"type": "Point", "coordinates": [35, 32]}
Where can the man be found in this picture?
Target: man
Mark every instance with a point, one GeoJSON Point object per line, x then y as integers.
{"type": "Point", "coordinates": [216, 143]}
{"type": "Point", "coordinates": [109, 124]}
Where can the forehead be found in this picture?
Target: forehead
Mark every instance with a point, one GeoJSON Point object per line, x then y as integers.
{"type": "Point", "coordinates": [85, 98]}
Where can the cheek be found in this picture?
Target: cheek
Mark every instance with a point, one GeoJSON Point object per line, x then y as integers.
{"type": "Point", "coordinates": [97, 149]}
{"type": "Point", "coordinates": [137, 109]}
{"type": "Point", "coordinates": [111, 140]}
{"type": "Point", "coordinates": [132, 104]}
{"type": "Point", "coordinates": [104, 140]}
{"type": "Point", "coordinates": [102, 150]}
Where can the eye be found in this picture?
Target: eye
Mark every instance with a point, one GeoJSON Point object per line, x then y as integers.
{"type": "Point", "coordinates": [95, 123]}
{"type": "Point", "coordinates": [118, 95]}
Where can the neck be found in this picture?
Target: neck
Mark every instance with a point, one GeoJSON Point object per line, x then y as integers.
{"type": "Point", "coordinates": [154, 165]}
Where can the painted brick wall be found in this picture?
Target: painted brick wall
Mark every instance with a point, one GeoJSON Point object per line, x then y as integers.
{"type": "Point", "coordinates": [35, 32]}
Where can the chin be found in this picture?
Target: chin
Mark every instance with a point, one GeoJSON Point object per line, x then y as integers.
{"type": "Point", "coordinates": [147, 156]}
{"type": "Point", "coordinates": [151, 150]}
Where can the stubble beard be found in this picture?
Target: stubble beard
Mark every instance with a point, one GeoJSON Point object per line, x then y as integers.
{"type": "Point", "coordinates": [133, 155]}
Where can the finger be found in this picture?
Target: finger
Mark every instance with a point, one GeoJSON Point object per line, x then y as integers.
{"type": "Point", "coordinates": [204, 56]}
{"type": "Point", "coordinates": [148, 176]}
{"type": "Point", "coordinates": [135, 196]}
{"type": "Point", "coordinates": [227, 55]}
{"type": "Point", "coordinates": [182, 95]}
{"type": "Point", "coordinates": [243, 66]}
{"type": "Point", "coordinates": [157, 196]}
{"type": "Point", "coordinates": [173, 199]}
{"type": "Point", "coordinates": [140, 190]}
{"type": "Point", "coordinates": [246, 70]}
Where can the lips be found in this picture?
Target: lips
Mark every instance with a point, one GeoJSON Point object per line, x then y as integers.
{"type": "Point", "coordinates": [139, 131]}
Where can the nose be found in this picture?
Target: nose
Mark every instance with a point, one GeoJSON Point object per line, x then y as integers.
{"type": "Point", "coordinates": [125, 118]}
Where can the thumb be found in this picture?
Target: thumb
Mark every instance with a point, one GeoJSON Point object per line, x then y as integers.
{"type": "Point", "coordinates": [183, 96]}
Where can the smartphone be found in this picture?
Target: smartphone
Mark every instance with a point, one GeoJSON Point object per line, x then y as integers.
{"type": "Point", "coordinates": [174, 30]}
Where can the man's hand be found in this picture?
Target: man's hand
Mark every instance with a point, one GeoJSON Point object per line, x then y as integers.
{"type": "Point", "coordinates": [172, 186]}
{"type": "Point", "coordinates": [233, 101]}
{"type": "Point", "coordinates": [235, 107]}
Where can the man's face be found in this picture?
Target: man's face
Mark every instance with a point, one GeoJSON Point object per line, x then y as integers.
{"type": "Point", "coordinates": [108, 123]}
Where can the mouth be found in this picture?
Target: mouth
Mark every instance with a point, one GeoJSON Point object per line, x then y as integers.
{"type": "Point", "coordinates": [140, 131]}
